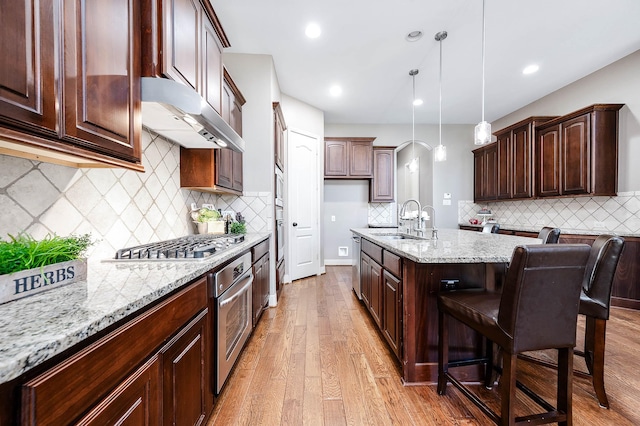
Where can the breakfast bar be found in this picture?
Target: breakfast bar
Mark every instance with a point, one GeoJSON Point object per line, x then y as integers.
{"type": "Point", "coordinates": [401, 277]}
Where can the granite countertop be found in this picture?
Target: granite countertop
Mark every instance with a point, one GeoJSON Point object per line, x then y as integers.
{"type": "Point", "coordinates": [38, 327]}
{"type": "Point", "coordinates": [452, 246]}
{"type": "Point", "coordinates": [525, 228]}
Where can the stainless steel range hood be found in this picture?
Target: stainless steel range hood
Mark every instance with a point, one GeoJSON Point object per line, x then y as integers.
{"type": "Point", "coordinates": [180, 114]}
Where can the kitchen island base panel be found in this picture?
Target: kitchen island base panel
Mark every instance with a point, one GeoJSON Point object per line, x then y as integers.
{"type": "Point", "coordinates": [422, 284]}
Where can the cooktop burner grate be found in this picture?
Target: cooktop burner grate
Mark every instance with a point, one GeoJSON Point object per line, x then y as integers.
{"type": "Point", "coordinates": [192, 247]}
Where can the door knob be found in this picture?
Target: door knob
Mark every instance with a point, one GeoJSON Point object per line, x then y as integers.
{"type": "Point", "coordinates": [295, 223]}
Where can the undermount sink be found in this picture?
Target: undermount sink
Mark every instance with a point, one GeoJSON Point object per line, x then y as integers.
{"type": "Point", "coordinates": [398, 237]}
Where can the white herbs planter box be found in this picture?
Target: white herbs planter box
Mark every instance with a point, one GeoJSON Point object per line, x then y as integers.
{"type": "Point", "coordinates": [33, 281]}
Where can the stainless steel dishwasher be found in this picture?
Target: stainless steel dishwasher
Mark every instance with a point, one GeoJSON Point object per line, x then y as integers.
{"type": "Point", "coordinates": [355, 279]}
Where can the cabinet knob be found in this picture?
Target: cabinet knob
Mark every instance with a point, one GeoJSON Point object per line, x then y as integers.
{"type": "Point", "coordinates": [295, 223]}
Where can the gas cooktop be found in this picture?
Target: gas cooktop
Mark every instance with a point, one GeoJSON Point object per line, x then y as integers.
{"type": "Point", "coordinates": [191, 247]}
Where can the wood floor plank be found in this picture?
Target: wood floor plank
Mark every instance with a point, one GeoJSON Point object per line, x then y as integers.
{"type": "Point", "coordinates": [317, 358]}
{"type": "Point", "coordinates": [329, 367]}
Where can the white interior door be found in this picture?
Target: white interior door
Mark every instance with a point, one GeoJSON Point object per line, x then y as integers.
{"type": "Point", "coordinates": [304, 205]}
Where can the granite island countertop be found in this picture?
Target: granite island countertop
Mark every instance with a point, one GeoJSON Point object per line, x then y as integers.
{"type": "Point", "coordinates": [38, 327]}
{"type": "Point", "coordinates": [536, 229]}
{"type": "Point", "coordinates": [452, 245]}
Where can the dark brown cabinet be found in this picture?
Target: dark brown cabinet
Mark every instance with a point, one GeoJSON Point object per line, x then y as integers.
{"type": "Point", "coordinates": [260, 289]}
{"type": "Point", "coordinates": [211, 170]}
{"type": "Point", "coordinates": [171, 341]}
{"type": "Point", "coordinates": [28, 85]}
{"type": "Point", "coordinates": [185, 375]}
{"type": "Point", "coordinates": [183, 40]}
{"type": "Point", "coordinates": [81, 108]}
{"type": "Point", "coordinates": [577, 154]}
{"type": "Point", "coordinates": [514, 175]}
{"type": "Point", "coordinates": [485, 173]}
{"type": "Point", "coordinates": [382, 184]}
{"type": "Point", "coordinates": [228, 163]}
{"type": "Point", "coordinates": [392, 312]}
{"type": "Point", "coordinates": [376, 294]}
{"type": "Point", "coordinates": [350, 158]}
{"type": "Point", "coordinates": [381, 289]}
{"type": "Point", "coordinates": [365, 279]}
{"type": "Point", "coordinates": [279, 135]}
{"type": "Point", "coordinates": [135, 402]}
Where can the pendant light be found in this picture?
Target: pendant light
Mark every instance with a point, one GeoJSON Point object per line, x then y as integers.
{"type": "Point", "coordinates": [482, 133]}
{"type": "Point", "coordinates": [413, 165]}
{"type": "Point", "coordinates": [440, 153]}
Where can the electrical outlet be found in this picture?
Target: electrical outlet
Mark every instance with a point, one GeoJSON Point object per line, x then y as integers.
{"type": "Point", "coordinates": [333, 218]}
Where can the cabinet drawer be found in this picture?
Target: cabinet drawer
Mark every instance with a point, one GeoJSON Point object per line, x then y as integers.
{"type": "Point", "coordinates": [70, 388]}
{"type": "Point", "coordinates": [392, 263]}
{"type": "Point", "coordinates": [374, 251]}
{"type": "Point", "coordinates": [260, 250]}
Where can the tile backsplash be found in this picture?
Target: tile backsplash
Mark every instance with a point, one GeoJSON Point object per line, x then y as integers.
{"type": "Point", "coordinates": [578, 215]}
{"type": "Point", "coordinates": [120, 208]}
{"type": "Point", "coordinates": [382, 213]}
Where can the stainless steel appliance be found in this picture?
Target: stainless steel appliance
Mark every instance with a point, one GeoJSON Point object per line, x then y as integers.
{"type": "Point", "coordinates": [230, 289]}
{"type": "Point", "coordinates": [355, 279]}
{"type": "Point", "coordinates": [191, 247]}
{"type": "Point", "coordinates": [279, 198]}
{"type": "Point", "coordinates": [279, 234]}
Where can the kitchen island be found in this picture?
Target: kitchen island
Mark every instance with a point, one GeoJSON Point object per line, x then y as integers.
{"type": "Point", "coordinates": [402, 276]}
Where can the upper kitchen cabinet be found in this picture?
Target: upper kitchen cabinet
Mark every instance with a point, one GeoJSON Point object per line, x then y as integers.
{"type": "Point", "coordinates": [183, 40]}
{"type": "Point", "coordinates": [70, 82]}
{"type": "Point", "coordinates": [485, 165]}
{"type": "Point", "coordinates": [279, 135]}
{"type": "Point", "coordinates": [382, 184]}
{"type": "Point", "coordinates": [211, 170]}
{"type": "Point", "coordinates": [232, 102]}
{"type": "Point", "coordinates": [515, 159]}
{"type": "Point", "coordinates": [577, 154]}
{"type": "Point", "coordinates": [350, 158]}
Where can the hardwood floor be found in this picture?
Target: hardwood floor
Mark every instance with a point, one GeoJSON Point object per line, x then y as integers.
{"type": "Point", "coordinates": [317, 359]}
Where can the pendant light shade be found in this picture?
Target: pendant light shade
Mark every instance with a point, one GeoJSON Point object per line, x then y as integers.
{"type": "Point", "coordinates": [413, 165]}
{"type": "Point", "coordinates": [482, 133]}
{"type": "Point", "coordinates": [440, 153]}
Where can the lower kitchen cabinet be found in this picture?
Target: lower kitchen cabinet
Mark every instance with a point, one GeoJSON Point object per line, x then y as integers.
{"type": "Point", "coordinates": [135, 402]}
{"type": "Point", "coordinates": [185, 375]}
{"type": "Point", "coordinates": [154, 366]}
{"type": "Point", "coordinates": [381, 291]}
{"type": "Point", "coordinates": [392, 312]}
{"type": "Point", "coordinates": [261, 269]}
{"type": "Point", "coordinates": [375, 307]}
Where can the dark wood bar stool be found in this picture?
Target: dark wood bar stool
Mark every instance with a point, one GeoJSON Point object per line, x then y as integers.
{"type": "Point", "coordinates": [595, 303]}
{"type": "Point", "coordinates": [537, 309]}
{"type": "Point", "coordinates": [549, 235]}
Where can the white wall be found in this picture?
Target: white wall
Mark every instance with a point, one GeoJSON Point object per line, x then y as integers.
{"type": "Point", "coordinates": [454, 176]}
{"type": "Point", "coordinates": [253, 74]}
{"type": "Point", "coordinates": [347, 201]}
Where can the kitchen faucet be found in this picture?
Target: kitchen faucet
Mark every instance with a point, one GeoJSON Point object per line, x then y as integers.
{"type": "Point", "coordinates": [434, 230]}
{"type": "Point", "coordinates": [418, 226]}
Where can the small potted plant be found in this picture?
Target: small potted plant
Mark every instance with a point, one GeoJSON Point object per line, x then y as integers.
{"type": "Point", "coordinates": [29, 266]}
{"type": "Point", "coordinates": [208, 221]}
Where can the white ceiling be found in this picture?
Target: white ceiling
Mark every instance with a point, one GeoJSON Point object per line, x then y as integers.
{"type": "Point", "coordinates": [363, 49]}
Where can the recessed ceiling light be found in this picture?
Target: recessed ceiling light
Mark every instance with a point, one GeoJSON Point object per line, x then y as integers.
{"type": "Point", "coordinates": [418, 102]}
{"type": "Point", "coordinates": [313, 30]}
{"type": "Point", "coordinates": [335, 90]}
{"type": "Point", "coordinates": [414, 35]}
{"type": "Point", "coordinates": [530, 69]}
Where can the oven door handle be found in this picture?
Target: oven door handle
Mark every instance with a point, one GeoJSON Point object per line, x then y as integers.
{"type": "Point", "coordinates": [226, 299]}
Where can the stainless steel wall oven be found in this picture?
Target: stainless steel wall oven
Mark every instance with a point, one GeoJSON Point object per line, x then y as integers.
{"type": "Point", "coordinates": [230, 290]}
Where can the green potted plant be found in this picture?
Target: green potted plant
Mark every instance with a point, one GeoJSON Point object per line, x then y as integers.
{"type": "Point", "coordinates": [29, 266]}
{"type": "Point", "coordinates": [208, 221]}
